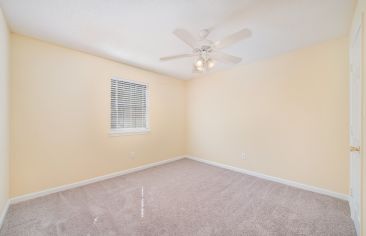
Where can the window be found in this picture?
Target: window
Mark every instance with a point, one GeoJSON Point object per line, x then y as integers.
{"type": "Point", "coordinates": [128, 107]}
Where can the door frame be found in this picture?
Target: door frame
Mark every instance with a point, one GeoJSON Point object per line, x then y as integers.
{"type": "Point", "coordinates": [357, 31]}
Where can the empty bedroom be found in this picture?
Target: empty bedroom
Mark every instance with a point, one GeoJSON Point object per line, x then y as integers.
{"type": "Point", "coordinates": [181, 117]}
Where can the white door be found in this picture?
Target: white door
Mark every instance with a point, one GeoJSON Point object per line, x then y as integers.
{"type": "Point", "coordinates": [355, 128]}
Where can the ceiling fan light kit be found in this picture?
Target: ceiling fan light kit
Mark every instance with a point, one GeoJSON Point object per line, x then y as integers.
{"type": "Point", "coordinates": [203, 61]}
{"type": "Point", "coordinates": [206, 51]}
{"type": "Point", "coordinates": [202, 65]}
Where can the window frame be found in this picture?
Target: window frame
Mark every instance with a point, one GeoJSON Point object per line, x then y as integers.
{"type": "Point", "coordinates": [129, 131]}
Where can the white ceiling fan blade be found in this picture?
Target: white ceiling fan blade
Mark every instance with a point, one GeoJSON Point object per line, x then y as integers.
{"type": "Point", "coordinates": [176, 57]}
{"type": "Point", "coordinates": [224, 57]}
{"type": "Point", "coordinates": [186, 37]}
{"type": "Point", "coordinates": [234, 38]}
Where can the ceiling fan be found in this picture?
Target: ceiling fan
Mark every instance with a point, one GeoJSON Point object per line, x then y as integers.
{"type": "Point", "coordinates": [205, 51]}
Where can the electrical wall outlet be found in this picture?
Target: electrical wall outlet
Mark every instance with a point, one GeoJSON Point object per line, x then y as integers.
{"type": "Point", "coordinates": [243, 156]}
{"type": "Point", "coordinates": [132, 155]}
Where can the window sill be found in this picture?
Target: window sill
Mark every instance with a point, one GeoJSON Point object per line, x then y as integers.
{"type": "Point", "coordinates": [128, 132]}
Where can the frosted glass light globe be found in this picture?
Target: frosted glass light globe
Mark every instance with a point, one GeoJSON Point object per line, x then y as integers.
{"type": "Point", "coordinates": [199, 68]}
{"type": "Point", "coordinates": [199, 63]}
{"type": "Point", "coordinates": [210, 63]}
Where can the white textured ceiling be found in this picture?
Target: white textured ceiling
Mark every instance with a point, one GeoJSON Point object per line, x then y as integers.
{"type": "Point", "coordinates": [139, 32]}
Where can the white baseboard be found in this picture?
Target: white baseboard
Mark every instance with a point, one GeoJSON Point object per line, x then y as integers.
{"type": "Point", "coordinates": [30, 196]}
{"type": "Point", "coordinates": [3, 213]}
{"type": "Point", "coordinates": [275, 179]}
{"type": "Point", "coordinates": [355, 215]}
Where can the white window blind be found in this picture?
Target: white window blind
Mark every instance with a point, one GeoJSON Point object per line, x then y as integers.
{"type": "Point", "coordinates": [128, 106]}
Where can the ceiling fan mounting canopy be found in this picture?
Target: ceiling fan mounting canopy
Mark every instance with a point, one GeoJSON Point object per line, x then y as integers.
{"type": "Point", "coordinates": [207, 52]}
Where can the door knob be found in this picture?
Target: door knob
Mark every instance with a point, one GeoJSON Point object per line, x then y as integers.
{"type": "Point", "coordinates": [354, 149]}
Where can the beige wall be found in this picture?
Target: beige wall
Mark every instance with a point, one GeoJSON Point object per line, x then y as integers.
{"type": "Point", "coordinates": [4, 134]}
{"type": "Point", "coordinates": [60, 117]}
{"type": "Point", "coordinates": [289, 114]}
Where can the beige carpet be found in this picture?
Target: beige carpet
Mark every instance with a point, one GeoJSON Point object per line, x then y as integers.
{"type": "Point", "coordinates": [181, 198]}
